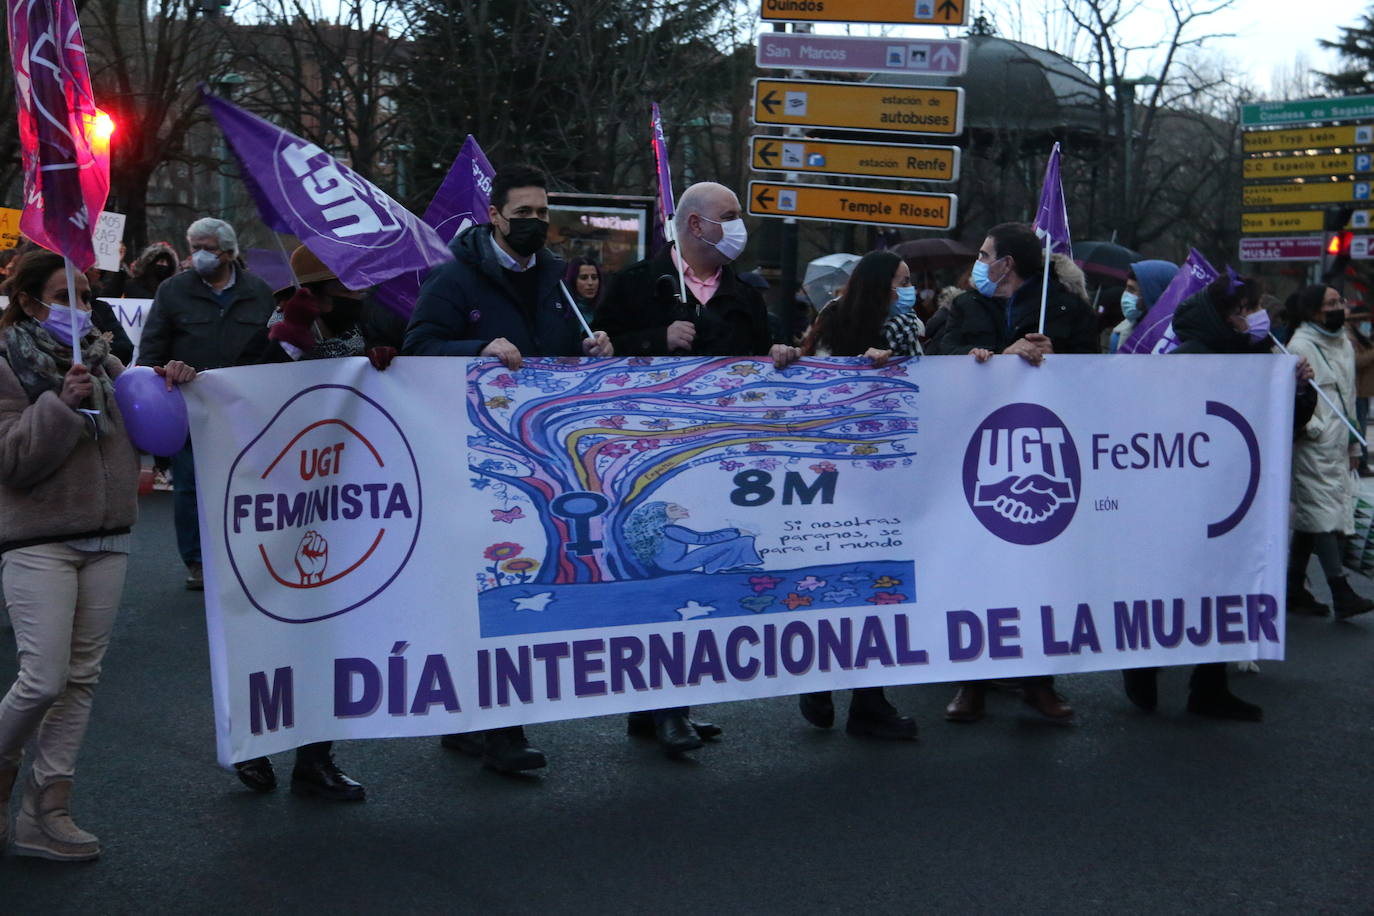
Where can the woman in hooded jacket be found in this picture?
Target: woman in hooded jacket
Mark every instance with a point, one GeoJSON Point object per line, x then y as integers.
{"type": "Point", "coordinates": [1324, 455]}
{"type": "Point", "coordinates": [1223, 318]}
{"type": "Point", "coordinates": [1146, 281]}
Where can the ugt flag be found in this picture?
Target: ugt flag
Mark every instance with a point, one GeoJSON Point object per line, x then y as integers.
{"type": "Point", "coordinates": [663, 224]}
{"type": "Point", "coordinates": [1052, 217]}
{"type": "Point", "coordinates": [64, 139]}
{"type": "Point", "coordinates": [460, 202]}
{"type": "Point", "coordinates": [359, 232]}
{"type": "Point", "coordinates": [1154, 332]}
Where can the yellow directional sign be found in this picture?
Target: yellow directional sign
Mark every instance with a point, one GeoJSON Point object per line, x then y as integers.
{"type": "Point", "coordinates": [866, 206]}
{"type": "Point", "coordinates": [1310, 192]}
{"type": "Point", "coordinates": [896, 12]}
{"type": "Point", "coordinates": [860, 160]}
{"type": "Point", "coordinates": [1295, 221]}
{"type": "Point", "coordinates": [860, 106]}
{"type": "Point", "coordinates": [1265, 141]}
{"type": "Point", "coordinates": [1299, 166]}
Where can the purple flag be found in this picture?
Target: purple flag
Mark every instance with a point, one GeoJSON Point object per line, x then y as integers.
{"type": "Point", "coordinates": [663, 215]}
{"type": "Point", "coordinates": [1155, 332]}
{"type": "Point", "coordinates": [359, 232]}
{"type": "Point", "coordinates": [1052, 218]}
{"type": "Point", "coordinates": [64, 139]}
{"type": "Point", "coordinates": [460, 202]}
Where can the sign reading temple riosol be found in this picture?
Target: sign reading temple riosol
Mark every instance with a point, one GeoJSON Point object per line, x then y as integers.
{"type": "Point", "coordinates": [448, 546]}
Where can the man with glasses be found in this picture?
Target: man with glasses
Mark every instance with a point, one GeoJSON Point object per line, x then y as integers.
{"type": "Point", "coordinates": [210, 316]}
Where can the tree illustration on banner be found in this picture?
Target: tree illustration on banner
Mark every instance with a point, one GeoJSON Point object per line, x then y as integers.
{"type": "Point", "coordinates": [577, 455]}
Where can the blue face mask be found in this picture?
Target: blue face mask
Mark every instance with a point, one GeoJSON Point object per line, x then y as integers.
{"type": "Point", "coordinates": [906, 300]}
{"type": "Point", "coordinates": [981, 281]}
{"type": "Point", "coordinates": [1130, 307]}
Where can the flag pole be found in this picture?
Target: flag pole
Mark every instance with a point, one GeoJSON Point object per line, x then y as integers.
{"type": "Point", "coordinates": [1340, 411]}
{"type": "Point", "coordinates": [1045, 283]}
{"type": "Point", "coordinates": [73, 305]}
{"type": "Point", "coordinates": [577, 313]}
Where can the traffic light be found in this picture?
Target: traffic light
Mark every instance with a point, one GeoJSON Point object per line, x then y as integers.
{"type": "Point", "coordinates": [1336, 255]}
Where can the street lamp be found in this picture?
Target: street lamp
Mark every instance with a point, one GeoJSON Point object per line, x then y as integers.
{"type": "Point", "coordinates": [1127, 86]}
{"type": "Point", "coordinates": [224, 87]}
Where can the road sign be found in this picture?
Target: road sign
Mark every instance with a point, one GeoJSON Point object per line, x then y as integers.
{"type": "Point", "coordinates": [893, 12]}
{"type": "Point", "coordinates": [1300, 166]}
{"type": "Point", "coordinates": [859, 160]}
{"type": "Point", "coordinates": [1265, 141]}
{"type": "Point", "coordinates": [872, 107]}
{"type": "Point", "coordinates": [1282, 248]}
{"type": "Point", "coordinates": [1349, 108]}
{"type": "Point", "coordinates": [1311, 192]}
{"type": "Point", "coordinates": [1296, 221]}
{"type": "Point", "coordinates": [798, 51]}
{"type": "Point", "coordinates": [866, 206]}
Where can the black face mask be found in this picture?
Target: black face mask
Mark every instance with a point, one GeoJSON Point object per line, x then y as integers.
{"type": "Point", "coordinates": [526, 235]}
{"type": "Point", "coordinates": [343, 315]}
{"type": "Point", "coordinates": [159, 270]}
{"type": "Point", "coordinates": [1333, 321]}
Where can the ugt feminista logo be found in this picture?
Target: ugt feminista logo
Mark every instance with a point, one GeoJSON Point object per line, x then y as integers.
{"type": "Point", "coordinates": [322, 508]}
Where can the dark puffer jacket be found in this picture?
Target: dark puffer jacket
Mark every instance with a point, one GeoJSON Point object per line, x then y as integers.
{"type": "Point", "coordinates": [470, 301]}
{"type": "Point", "coordinates": [980, 322]}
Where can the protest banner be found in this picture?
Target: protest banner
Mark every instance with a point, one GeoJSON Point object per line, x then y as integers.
{"type": "Point", "coordinates": [448, 546]}
{"type": "Point", "coordinates": [106, 238]}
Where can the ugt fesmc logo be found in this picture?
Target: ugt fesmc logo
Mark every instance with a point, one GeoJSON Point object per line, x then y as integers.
{"type": "Point", "coordinates": [1021, 474]}
{"type": "Point", "coordinates": [322, 508]}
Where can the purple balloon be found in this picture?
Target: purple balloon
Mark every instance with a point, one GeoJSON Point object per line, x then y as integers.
{"type": "Point", "coordinates": [154, 417]}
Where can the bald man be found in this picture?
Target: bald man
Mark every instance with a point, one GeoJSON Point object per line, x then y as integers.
{"type": "Point", "coordinates": [722, 316]}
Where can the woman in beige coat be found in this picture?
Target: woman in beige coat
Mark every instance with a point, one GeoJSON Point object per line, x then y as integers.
{"type": "Point", "coordinates": [68, 496]}
{"type": "Point", "coordinates": [1324, 455]}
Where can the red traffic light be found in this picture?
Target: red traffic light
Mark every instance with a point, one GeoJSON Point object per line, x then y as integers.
{"type": "Point", "coordinates": [1339, 243]}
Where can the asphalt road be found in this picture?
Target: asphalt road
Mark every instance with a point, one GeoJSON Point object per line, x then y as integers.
{"type": "Point", "coordinates": [1122, 812]}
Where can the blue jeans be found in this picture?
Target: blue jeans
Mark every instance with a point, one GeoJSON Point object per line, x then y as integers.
{"type": "Point", "coordinates": [184, 512]}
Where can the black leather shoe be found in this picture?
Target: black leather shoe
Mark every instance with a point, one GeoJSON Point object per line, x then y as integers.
{"type": "Point", "coordinates": [872, 716]}
{"type": "Point", "coordinates": [641, 725]}
{"type": "Point", "coordinates": [676, 735]}
{"type": "Point", "coordinates": [257, 774]}
{"type": "Point", "coordinates": [1142, 687]}
{"type": "Point", "coordinates": [507, 751]}
{"type": "Point", "coordinates": [470, 743]}
{"type": "Point", "coordinates": [818, 708]}
{"type": "Point", "coordinates": [323, 779]}
{"type": "Point", "coordinates": [1223, 704]}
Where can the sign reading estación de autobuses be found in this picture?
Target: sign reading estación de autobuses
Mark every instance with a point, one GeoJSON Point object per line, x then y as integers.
{"type": "Point", "coordinates": [892, 12]}
{"type": "Point", "coordinates": [865, 206]}
{"type": "Point", "coordinates": [859, 106]}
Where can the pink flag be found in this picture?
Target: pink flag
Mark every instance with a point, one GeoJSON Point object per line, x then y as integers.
{"type": "Point", "coordinates": [64, 138]}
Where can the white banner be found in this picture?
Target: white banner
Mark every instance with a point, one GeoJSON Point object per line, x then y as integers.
{"type": "Point", "coordinates": [106, 239]}
{"type": "Point", "coordinates": [448, 546]}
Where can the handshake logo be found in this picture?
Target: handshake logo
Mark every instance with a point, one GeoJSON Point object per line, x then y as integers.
{"type": "Point", "coordinates": [1021, 474]}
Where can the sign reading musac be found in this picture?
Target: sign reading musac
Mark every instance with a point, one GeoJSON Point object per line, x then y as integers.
{"type": "Point", "coordinates": [448, 546]}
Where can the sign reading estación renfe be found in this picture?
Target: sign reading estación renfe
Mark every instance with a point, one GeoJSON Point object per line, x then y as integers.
{"type": "Point", "coordinates": [859, 160]}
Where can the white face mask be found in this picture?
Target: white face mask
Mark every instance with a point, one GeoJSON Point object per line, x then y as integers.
{"type": "Point", "coordinates": [204, 262]}
{"type": "Point", "coordinates": [735, 236]}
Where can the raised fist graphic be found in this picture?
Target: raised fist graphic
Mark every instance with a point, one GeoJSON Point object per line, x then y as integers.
{"type": "Point", "coordinates": [312, 556]}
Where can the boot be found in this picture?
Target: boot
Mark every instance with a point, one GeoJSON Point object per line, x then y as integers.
{"type": "Point", "coordinates": [7, 777]}
{"type": "Point", "coordinates": [1209, 694]}
{"type": "Point", "coordinates": [872, 716]}
{"type": "Point", "coordinates": [44, 828]}
{"type": "Point", "coordinates": [1347, 601]}
{"type": "Point", "coordinates": [818, 708]}
{"type": "Point", "coordinates": [1300, 600]}
{"type": "Point", "coordinates": [967, 705]}
{"type": "Point", "coordinates": [1142, 687]}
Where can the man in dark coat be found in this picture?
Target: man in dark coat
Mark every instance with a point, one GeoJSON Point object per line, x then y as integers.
{"type": "Point", "coordinates": [722, 316]}
{"type": "Point", "coordinates": [1002, 314]}
{"type": "Point", "coordinates": [500, 297]}
{"type": "Point", "coordinates": [211, 316]}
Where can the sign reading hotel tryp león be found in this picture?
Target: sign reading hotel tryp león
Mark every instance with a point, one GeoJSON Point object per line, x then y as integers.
{"type": "Point", "coordinates": [894, 12]}
{"type": "Point", "coordinates": [1267, 141]}
{"type": "Point", "coordinates": [859, 106]}
{"type": "Point", "coordinates": [860, 160]}
{"type": "Point", "coordinates": [865, 206]}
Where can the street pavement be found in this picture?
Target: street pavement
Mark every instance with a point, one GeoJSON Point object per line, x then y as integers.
{"type": "Point", "coordinates": [1121, 812]}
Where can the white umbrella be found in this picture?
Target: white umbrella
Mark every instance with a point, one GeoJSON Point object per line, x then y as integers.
{"type": "Point", "coordinates": [826, 275]}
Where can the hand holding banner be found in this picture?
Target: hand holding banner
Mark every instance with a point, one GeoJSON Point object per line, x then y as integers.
{"type": "Point", "coordinates": [358, 231]}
